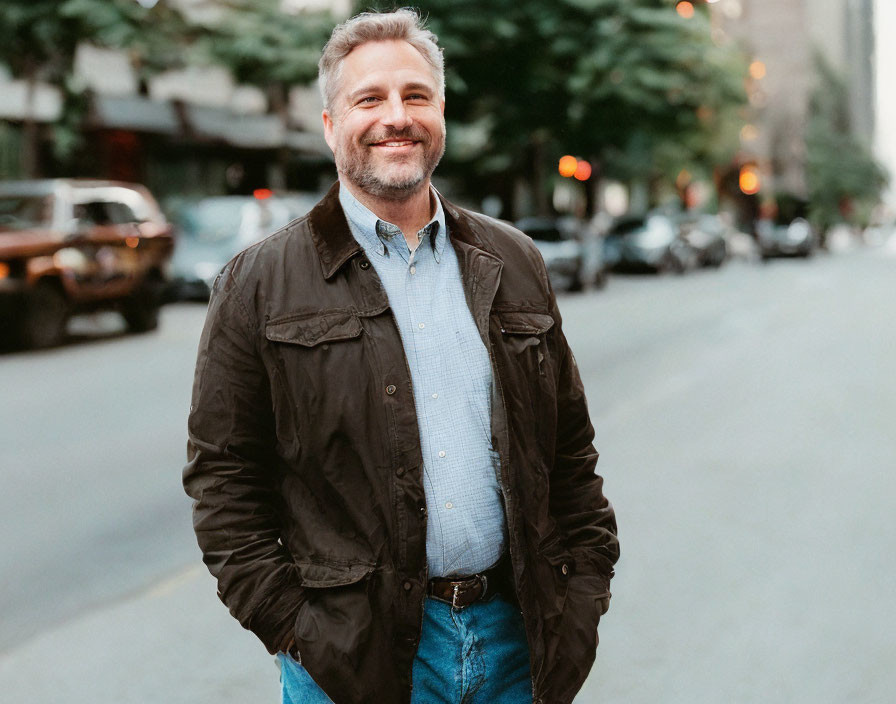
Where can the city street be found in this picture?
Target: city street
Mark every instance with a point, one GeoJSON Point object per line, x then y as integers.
{"type": "Point", "coordinates": [746, 419]}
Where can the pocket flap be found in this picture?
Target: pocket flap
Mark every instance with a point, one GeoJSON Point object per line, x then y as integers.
{"type": "Point", "coordinates": [524, 323]}
{"type": "Point", "coordinates": [318, 575]}
{"type": "Point", "coordinates": [326, 327]}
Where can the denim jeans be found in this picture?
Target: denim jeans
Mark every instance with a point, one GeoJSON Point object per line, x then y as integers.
{"type": "Point", "coordinates": [475, 655]}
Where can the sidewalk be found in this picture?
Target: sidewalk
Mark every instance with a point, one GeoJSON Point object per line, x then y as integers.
{"type": "Point", "coordinates": [156, 646]}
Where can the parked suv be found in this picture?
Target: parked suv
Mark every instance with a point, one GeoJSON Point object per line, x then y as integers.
{"type": "Point", "coordinates": [75, 245]}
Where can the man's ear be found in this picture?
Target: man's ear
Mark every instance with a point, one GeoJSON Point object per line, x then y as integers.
{"type": "Point", "coordinates": [329, 130]}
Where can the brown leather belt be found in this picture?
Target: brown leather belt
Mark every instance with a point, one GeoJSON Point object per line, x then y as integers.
{"type": "Point", "coordinates": [464, 590]}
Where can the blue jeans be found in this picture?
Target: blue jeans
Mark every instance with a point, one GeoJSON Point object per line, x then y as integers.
{"type": "Point", "coordinates": [476, 655]}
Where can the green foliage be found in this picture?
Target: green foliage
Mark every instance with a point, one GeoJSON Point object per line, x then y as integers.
{"type": "Point", "coordinates": [264, 46]}
{"type": "Point", "coordinates": [38, 38]}
{"type": "Point", "coordinates": [613, 80]}
{"type": "Point", "coordinates": [845, 181]}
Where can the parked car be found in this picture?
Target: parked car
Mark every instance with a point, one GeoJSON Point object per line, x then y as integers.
{"type": "Point", "coordinates": [706, 234]}
{"type": "Point", "coordinates": [792, 239]}
{"type": "Point", "coordinates": [573, 254]}
{"type": "Point", "coordinates": [211, 231]}
{"type": "Point", "coordinates": [651, 242]}
{"type": "Point", "coordinates": [75, 245]}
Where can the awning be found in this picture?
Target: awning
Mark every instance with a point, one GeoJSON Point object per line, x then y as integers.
{"type": "Point", "coordinates": [249, 131]}
{"type": "Point", "coordinates": [134, 112]}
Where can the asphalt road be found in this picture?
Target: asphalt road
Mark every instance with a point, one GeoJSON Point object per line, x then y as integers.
{"type": "Point", "coordinates": [745, 419]}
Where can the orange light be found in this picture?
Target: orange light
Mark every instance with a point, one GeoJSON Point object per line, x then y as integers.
{"type": "Point", "coordinates": [757, 70]}
{"type": "Point", "coordinates": [4, 270]}
{"type": "Point", "coordinates": [567, 166]}
{"type": "Point", "coordinates": [685, 9]}
{"type": "Point", "coordinates": [583, 171]}
{"type": "Point", "coordinates": [132, 242]}
{"type": "Point", "coordinates": [749, 180]}
{"type": "Point", "coordinates": [262, 193]}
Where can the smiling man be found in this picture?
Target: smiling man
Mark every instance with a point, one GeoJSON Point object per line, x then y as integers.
{"type": "Point", "coordinates": [390, 451]}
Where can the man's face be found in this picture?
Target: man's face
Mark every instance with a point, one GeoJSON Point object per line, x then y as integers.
{"type": "Point", "coordinates": [386, 127]}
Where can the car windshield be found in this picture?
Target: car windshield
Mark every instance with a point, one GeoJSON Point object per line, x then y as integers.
{"type": "Point", "coordinates": [212, 220]}
{"type": "Point", "coordinates": [236, 220]}
{"type": "Point", "coordinates": [542, 230]}
{"type": "Point", "coordinates": [627, 226]}
{"type": "Point", "coordinates": [25, 212]}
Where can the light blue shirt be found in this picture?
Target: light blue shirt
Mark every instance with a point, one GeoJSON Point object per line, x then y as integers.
{"type": "Point", "coordinates": [451, 376]}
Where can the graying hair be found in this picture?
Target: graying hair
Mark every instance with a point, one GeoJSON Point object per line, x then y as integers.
{"type": "Point", "coordinates": [404, 24]}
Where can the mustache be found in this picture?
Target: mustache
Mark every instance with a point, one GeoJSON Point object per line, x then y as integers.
{"type": "Point", "coordinates": [413, 133]}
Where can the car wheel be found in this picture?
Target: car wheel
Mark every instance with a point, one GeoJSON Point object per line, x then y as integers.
{"type": "Point", "coordinates": [141, 311]}
{"type": "Point", "coordinates": [45, 316]}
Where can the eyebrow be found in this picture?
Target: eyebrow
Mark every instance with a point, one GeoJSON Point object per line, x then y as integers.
{"type": "Point", "coordinates": [374, 88]}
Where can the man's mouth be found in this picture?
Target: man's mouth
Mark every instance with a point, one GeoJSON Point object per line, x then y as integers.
{"type": "Point", "coordinates": [394, 143]}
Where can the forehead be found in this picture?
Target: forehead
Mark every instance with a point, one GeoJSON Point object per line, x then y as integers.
{"type": "Point", "coordinates": [384, 62]}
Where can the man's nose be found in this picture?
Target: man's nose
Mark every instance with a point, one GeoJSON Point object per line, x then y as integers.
{"type": "Point", "coordinates": [396, 113]}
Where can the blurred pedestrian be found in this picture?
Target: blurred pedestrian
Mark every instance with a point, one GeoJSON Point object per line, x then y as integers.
{"type": "Point", "coordinates": [390, 451]}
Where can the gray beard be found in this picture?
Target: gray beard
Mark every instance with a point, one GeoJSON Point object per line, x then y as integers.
{"type": "Point", "coordinates": [365, 177]}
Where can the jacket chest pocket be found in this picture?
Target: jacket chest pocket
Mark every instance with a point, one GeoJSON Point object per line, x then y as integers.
{"type": "Point", "coordinates": [321, 359]}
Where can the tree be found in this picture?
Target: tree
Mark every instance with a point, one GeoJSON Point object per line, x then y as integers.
{"type": "Point", "coordinates": [264, 46]}
{"type": "Point", "coordinates": [845, 182]}
{"type": "Point", "coordinates": [609, 80]}
{"type": "Point", "coordinates": [38, 40]}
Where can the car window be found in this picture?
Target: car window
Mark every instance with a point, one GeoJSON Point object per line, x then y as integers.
{"type": "Point", "coordinates": [98, 212]}
{"type": "Point", "coordinates": [120, 214]}
{"type": "Point", "coordinates": [23, 212]}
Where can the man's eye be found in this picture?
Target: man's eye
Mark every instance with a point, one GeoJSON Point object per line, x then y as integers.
{"type": "Point", "coordinates": [369, 99]}
{"type": "Point", "coordinates": [417, 96]}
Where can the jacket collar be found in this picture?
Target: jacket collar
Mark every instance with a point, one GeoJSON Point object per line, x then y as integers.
{"type": "Point", "coordinates": [336, 245]}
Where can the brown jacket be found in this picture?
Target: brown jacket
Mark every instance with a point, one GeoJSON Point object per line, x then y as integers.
{"type": "Point", "coordinates": [305, 464]}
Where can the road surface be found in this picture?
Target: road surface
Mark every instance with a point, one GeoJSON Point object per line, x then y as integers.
{"type": "Point", "coordinates": [745, 419]}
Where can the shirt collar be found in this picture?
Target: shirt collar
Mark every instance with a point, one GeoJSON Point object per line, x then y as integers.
{"type": "Point", "coordinates": [370, 230]}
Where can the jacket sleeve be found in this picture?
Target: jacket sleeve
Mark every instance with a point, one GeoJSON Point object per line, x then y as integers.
{"type": "Point", "coordinates": [231, 474]}
{"type": "Point", "coordinates": [577, 501]}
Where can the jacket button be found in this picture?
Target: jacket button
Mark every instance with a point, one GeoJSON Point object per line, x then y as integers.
{"type": "Point", "coordinates": [390, 389]}
{"type": "Point", "coordinates": [399, 472]}
{"type": "Point", "coordinates": [407, 585]}
{"type": "Point", "coordinates": [364, 264]}
{"type": "Point", "coordinates": [564, 569]}
{"type": "Point", "coordinates": [423, 511]}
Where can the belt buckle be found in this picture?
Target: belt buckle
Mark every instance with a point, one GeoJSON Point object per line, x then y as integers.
{"type": "Point", "coordinates": [457, 590]}
{"type": "Point", "coordinates": [454, 596]}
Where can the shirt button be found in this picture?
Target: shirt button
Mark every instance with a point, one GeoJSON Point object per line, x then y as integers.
{"type": "Point", "coordinates": [435, 395]}
{"type": "Point", "coordinates": [421, 325]}
{"type": "Point", "coordinates": [390, 389]}
{"type": "Point", "coordinates": [413, 270]}
{"type": "Point", "coordinates": [449, 505]}
{"type": "Point", "coordinates": [442, 453]}
{"type": "Point", "coordinates": [364, 264]}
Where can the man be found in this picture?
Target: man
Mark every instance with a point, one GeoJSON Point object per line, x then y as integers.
{"type": "Point", "coordinates": [390, 449]}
